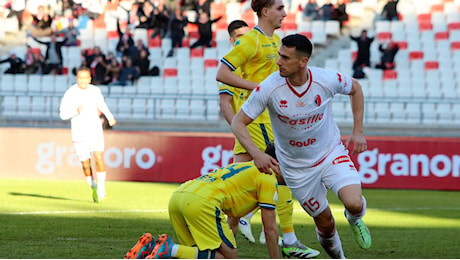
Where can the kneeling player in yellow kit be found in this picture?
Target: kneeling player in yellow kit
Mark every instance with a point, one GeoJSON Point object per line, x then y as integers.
{"type": "Point", "coordinates": [198, 212]}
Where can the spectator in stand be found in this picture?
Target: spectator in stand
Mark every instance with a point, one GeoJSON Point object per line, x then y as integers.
{"type": "Point", "coordinates": [71, 33]}
{"type": "Point", "coordinates": [136, 52]}
{"type": "Point", "coordinates": [387, 58]}
{"type": "Point", "coordinates": [31, 62]}
{"type": "Point", "coordinates": [204, 29]}
{"type": "Point", "coordinates": [177, 25]}
{"type": "Point", "coordinates": [340, 13]}
{"type": "Point", "coordinates": [112, 69]}
{"type": "Point", "coordinates": [16, 64]}
{"type": "Point", "coordinates": [143, 63]}
{"type": "Point", "coordinates": [311, 11]}
{"type": "Point", "coordinates": [97, 63]}
{"type": "Point", "coordinates": [16, 9]}
{"type": "Point", "coordinates": [161, 20]}
{"type": "Point", "coordinates": [53, 56]}
{"type": "Point", "coordinates": [128, 74]}
{"type": "Point", "coordinates": [363, 59]}
{"type": "Point", "coordinates": [41, 25]}
{"type": "Point", "coordinates": [203, 6]}
{"type": "Point", "coordinates": [125, 39]}
{"type": "Point", "coordinates": [326, 11]}
{"type": "Point", "coordinates": [143, 14]}
{"type": "Point", "coordinates": [389, 11]}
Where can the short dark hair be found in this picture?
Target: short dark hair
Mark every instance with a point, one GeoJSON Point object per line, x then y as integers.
{"type": "Point", "coordinates": [258, 5]}
{"type": "Point", "coordinates": [84, 68]}
{"type": "Point", "coordinates": [301, 43]}
{"type": "Point", "coordinates": [270, 150]}
{"type": "Point", "coordinates": [235, 25]}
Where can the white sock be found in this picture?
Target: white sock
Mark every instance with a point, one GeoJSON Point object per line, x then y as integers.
{"type": "Point", "coordinates": [174, 250]}
{"type": "Point", "coordinates": [101, 179]}
{"type": "Point", "coordinates": [89, 180]}
{"type": "Point", "coordinates": [332, 245]}
{"type": "Point", "coordinates": [289, 238]}
{"type": "Point", "coordinates": [249, 215]}
{"type": "Point", "coordinates": [353, 219]}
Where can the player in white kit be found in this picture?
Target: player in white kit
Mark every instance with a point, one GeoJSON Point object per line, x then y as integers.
{"type": "Point", "coordinates": [307, 140]}
{"type": "Point", "coordinates": [82, 103]}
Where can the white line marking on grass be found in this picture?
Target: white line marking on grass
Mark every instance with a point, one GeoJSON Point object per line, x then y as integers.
{"type": "Point", "coordinates": [61, 212]}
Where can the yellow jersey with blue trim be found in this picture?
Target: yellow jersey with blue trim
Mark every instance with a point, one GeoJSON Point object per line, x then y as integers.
{"type": "Point", "coordinates": [255, 54]}
{"type": "Point", "coordinates": [236, 189]}
{"type": "Point", "coordinates": [239, 95]}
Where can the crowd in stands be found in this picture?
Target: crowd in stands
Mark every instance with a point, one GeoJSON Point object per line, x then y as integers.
{"type": "Point", "coordinates": [57, 26]}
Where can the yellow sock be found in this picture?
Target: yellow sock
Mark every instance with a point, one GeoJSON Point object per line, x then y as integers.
{"type": "Point", "coordinates": [285, 208]}
{"type": "Point", "coordinates": [186, 252]}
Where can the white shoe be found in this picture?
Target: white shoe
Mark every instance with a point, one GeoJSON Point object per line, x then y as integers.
{"type": "Point", "coordinates": [262, 239]}
{"type": "Point", "coordinates": [245, 228]}
{"type": "Point", "coordinates": [101, 192]}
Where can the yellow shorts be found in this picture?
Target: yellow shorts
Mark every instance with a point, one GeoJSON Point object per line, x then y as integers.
{"type": "Point", "coordinates": [261, 134]}
{"type": "Point", "coordinates": [199, 222]}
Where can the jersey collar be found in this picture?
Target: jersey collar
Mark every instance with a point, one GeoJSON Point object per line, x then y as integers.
{"type": "Point", "coordinates": [309, 81]}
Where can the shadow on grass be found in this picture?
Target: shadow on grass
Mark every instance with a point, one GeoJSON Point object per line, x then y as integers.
{"type": "Point", "coordinates": [37, 196]}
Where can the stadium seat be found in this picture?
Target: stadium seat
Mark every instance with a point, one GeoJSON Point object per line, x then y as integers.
{"type": "Point", "coordinates": [170, 72]}
{"type": "Point", "coordinates": [182, 108]}
{"type": "Point", "coordinates": [431, 65]}
{"type": "Point", "coordinates": [455, 46]}
{"type": "Point", "coordinates": [425, 26]}
{"type": "Point", "coordinates": [390, 75]}
{"type": "Point", "coordinates": [155, 42]}
{"type": "Point", "coordinates": [197, 109]}
{"type": "Point", "coordinates": [197, 52]}
{"type": "Point", "coordinates": [210, 63]}
{"type": "Point", "coordinates": [384, 36]}
{"type": "Point", "coordinates": [167, 108]}
{"type": "Point", "coordinates": [453, 26]}
{"type": "Point", "coordinates": [415, 55]}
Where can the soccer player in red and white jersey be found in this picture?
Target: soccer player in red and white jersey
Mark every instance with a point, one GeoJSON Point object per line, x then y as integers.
{"type": "Point", "coordinates": [309, 150]}
{"type": "Point", "coordinates": [82, 103]}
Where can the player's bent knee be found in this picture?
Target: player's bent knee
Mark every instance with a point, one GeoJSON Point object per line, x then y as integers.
{"type": "Point", "coordinates": [207, 254]}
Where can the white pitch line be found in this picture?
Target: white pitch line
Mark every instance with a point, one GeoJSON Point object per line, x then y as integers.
{"type": "Point", "coordinates": [60, 212]}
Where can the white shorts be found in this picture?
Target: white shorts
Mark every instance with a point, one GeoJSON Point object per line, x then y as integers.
{"type": "Point", "coordinates": [309, 185]}
{"type": "Point", "coordinates": [85, 148]}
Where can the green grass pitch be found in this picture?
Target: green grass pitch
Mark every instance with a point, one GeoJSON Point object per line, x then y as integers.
{"type": "Point", "coordinates": [57, 219]}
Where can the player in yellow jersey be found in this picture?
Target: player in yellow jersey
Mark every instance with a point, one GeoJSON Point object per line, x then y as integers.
{"type": "Point", "coordinates": [250, 61]}
{"type": "Point", "coordinates": [198, 212]}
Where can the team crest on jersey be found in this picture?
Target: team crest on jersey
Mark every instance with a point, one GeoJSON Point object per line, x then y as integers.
{"type": "Point", "coordinates": [300, 104]}
{"type": "Point", "coordinates": [339, 77]}
{"type": "Point", "coordinates": [274, 45]}
{"type": "Point", "coordinates": [283, 103]}
{"type": "Point", "coordinates": [258, 88]}
{"type": "Point", "coordinates": [318, 100]}
{"type": "Point", "coordinates": [237, 42]}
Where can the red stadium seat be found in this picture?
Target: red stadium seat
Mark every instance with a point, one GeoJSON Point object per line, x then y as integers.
{"type": "Point", "coordinates": [424, 18]}
{"type": "Point", "coordinates": [309, 35]}
{"type": "Point", "coordinates": [390, 74]}
{"type": "Point", "coordinates": [431, 65]}
{"type": "Point", "coordinates": [211, 63]}
{"type": "Point", "coordinates": [455, 46]}
{"type": "Point", "coordinates": [290, 18]}
{"type": "Point", "coordinates": [437, 8]}
{"type": "Point", "coordinates": [185, 42]}
{"type": "Point", "coordinates": [197, 52]}
{"type": "Point", "coordinates": [440, 36]}
{"type": "Point", "coordinates": [248, 16]}
{"type": "Point", "coordinates": [155, 42]}
{"type": "Point", "coordinates": [170, 72]}
{"type": "Point", "coordinates": [112, 35]}
{"type": "Point", "coordinates": [289, 26]}
{"type": "Point", "coordinates": [402, 45]}
{"type": "Point", "coordinates": [453, 26]}
{"type": "Point", "coordinates": [425, 26]}
{"type": "Point", "coordinates": [384, 36]}
{"type": "Point", "coordinates": [354, 55]}
{"type": "Point", "coordinates": [415, 55]}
